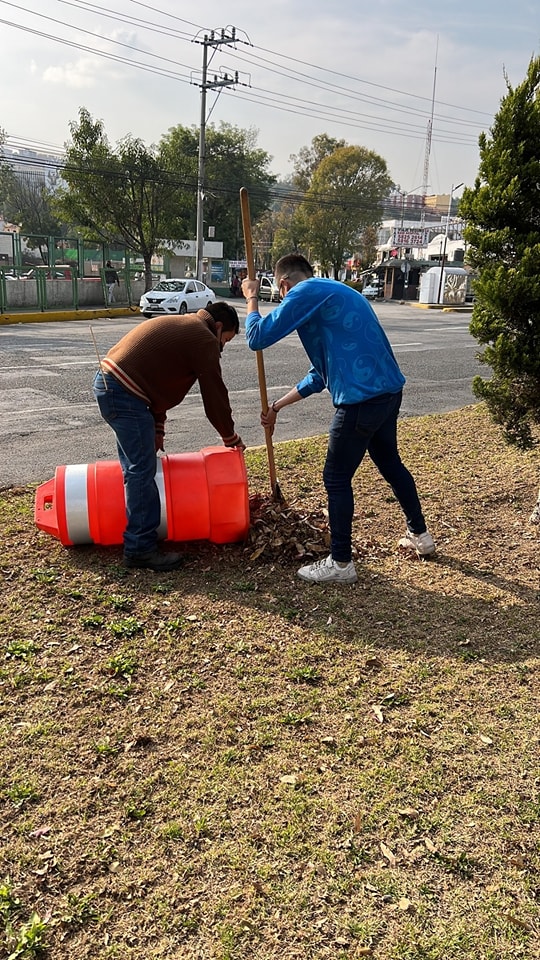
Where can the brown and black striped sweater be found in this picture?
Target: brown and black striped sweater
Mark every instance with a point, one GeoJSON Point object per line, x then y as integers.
{"type": "Point", "coordinates": [160, 360]}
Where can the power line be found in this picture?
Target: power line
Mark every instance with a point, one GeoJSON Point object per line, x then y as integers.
{"type": "Point", "coordinates": [274, 54]}
{"type": "Point", "coordinates": [218, 188]}
{"type": "Point", "coordinates": [379, 102]}
{"type": "Point", "coordinates": [132, 21]}
{"type": "Point", "coordinates": [447, 133]}
{"type": "Point", "coordinates": [92, 50]}
{"type": "Point", "coordinates": [272, 102]}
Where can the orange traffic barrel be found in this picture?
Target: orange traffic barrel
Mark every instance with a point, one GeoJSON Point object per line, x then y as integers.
{"type": "Point", "coordinates": [204, 496]}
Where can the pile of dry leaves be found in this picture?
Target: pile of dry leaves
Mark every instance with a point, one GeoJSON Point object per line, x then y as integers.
{"type": "Point", "coordinates": [285, 530]}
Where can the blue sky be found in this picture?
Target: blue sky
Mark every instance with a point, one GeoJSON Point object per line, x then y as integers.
{"type": "Point", "coordinates": [359, 71]}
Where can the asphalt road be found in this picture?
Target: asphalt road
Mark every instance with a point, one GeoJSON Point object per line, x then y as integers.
{"type": "Point", "coordinates": [49, 417]}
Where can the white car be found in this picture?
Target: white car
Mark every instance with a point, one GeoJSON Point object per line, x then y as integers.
{"type": "Point", "coordinates": [180, 295]}
{"type": "Point", "coordinates": [371, 291]}
{"type": "Point", "coordinates": [268, 289]}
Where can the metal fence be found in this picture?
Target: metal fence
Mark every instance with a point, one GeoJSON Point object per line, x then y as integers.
{"type": "Point", "coordinates": [42, 273]}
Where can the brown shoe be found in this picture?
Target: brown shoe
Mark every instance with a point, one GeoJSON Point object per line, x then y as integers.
{"type": "Point", "coordinates": [154, 560]}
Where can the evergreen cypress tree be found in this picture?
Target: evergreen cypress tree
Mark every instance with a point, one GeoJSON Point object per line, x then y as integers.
{"type": "Point", "coordinates": [502, 212]}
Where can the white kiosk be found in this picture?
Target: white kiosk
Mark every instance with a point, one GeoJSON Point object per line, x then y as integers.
{"type": "Point", "coordinates": [446, 285]}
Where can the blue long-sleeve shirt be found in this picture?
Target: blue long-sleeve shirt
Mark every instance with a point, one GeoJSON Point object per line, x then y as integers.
{"type": "Point", "coordinates": [349, 351]}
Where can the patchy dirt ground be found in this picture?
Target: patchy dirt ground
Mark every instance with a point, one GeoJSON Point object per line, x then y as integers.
{"type": "Point", "coordinates": [224, 762]}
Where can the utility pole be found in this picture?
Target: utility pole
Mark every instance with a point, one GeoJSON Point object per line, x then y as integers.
{"type": "Point", "coordinates": [218, 81]}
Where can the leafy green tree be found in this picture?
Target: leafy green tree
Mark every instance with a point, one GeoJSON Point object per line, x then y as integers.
{"type": "Point", "coordinates": [367, 247]}
{"type": "Point", "coordinates": [502, 212]}
{"type": "Point", "coordinates": [232, 160]}
{"type": "Point", "coordinates": [306, 161]}
{"type": "Point", "coordinates": [6, 173]}
{"type": "Point", "coordinates": [289, 232]}
{"type": "Point", "coordinates": [27, 198]}
{"type": "Point", "coordinates": [344, 198]}
{"type": "Point", "coordinates": [285, 234]}
{"type": "Point", "coordinates": [30, 202]}
{"type": "Point", "coordinates": [127, 193]}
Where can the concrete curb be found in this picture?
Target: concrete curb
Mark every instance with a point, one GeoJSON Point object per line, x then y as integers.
{"type": "Point", "coordinates": [102, 313]}
{"type": "Point", "coordinates": [444, 308]}
{"type": "Point", "coordinates": [46, 316]}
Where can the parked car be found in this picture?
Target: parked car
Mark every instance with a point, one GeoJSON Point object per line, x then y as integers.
{"type": "Point", "coordinates": [268, 289]}
{"type": "Point", "coordinates": [179, 295]}
{"type": "Point", "coordinates": [372, 291]}
{"type": "Point", "coordinates": [63, 274]}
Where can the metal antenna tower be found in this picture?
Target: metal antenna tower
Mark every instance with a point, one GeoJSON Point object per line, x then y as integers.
{"type": "Point", "coordinates": [427, 153]}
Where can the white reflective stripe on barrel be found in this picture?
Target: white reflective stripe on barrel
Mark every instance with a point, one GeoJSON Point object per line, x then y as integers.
{"type": "Point", "coordinates": [75, 484]}
{"type": "Point", "coordinates": [160, 483]}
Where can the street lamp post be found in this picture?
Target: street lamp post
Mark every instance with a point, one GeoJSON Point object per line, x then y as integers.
{"type": "Point", "coordinates": [405, 266]}
{"type": "Point", "coordinates": [445, 241]}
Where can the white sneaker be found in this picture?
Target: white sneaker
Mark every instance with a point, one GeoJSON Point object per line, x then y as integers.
{"type": "Point", "coordinates": [423, 543]}
{"type": "Point", "coordinates": [328, 571]}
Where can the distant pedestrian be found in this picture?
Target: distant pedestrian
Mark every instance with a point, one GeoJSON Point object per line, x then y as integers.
{"type": "Point", "coordinates": [112, 280]}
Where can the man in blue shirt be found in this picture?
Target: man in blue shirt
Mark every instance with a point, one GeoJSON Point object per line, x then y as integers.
{"type": "Point", "coordinates": [352, 358]}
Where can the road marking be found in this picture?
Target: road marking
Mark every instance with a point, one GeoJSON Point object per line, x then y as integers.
{"type": "Point", "coordinates": [45, 363]}
{"type": "Point", "coordinates": [445, 329]}
{"type": "Point", "coordinates": [189, 399]}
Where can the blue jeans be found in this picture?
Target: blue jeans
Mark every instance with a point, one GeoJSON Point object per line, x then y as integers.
{"type": "Point", "coordinates": [134, 426]}
{"type": "Point", "coordinates": [356, 428]}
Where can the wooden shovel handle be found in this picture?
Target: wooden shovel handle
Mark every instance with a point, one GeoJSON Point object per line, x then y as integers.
{"type": "Point", "coordinates": [248, 237]}
{"type": "Point", "coordinates": [248, 242]}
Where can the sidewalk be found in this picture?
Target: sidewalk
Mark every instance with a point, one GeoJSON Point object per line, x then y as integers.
{"type": "Point", "coordinates": [106, 313]}
{"type": "Point", "coordinates": [45, 316]}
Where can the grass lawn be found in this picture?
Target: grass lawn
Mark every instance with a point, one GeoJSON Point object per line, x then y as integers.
{"type": "Point", "coordinates": [225, 763]}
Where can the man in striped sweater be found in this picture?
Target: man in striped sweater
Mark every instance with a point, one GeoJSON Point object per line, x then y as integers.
{"type": "Point", "coordinates": [144, 375]}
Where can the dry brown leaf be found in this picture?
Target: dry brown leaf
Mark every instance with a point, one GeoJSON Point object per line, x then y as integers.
{"type": "Point", "coordinates": [357, 826]}
{"type": "Point", "coordinates": [40, 832]}
{"type": "Point", "coordinates": [388, 854]}
{"type": "Point", "coordinates": [378, 712]}
{"type": "Point", "coordinates": [290, 778]}
{"type": "Point", "coordinates": [409, 812]}
{"type": "Point", "coordinates": [430, 845]}
{"type": "Point", "coordinates": [518, 922]}
{"type": "Point", "coordinates": [373, 663]}
{"type": "Point", "coordinates": [257, 553]}
{"type": "Point", "coordinates": [405, 905]}
{"type": "Point", "coordinates": [485, 739]}
{"type": "Point", "coordinates": [517, 861]}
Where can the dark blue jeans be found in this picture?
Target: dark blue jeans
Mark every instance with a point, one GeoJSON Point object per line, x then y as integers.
{"type": "Point", "coordinates": [356, 428]}
{"type": "Point", "coordinates": [135, 431]}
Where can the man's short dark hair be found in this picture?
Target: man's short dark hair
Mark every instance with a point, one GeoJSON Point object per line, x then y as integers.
{"type": "Point", "coordinates": [293, 266]}
{"type": "Point", "coordinates": [223, 313]}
